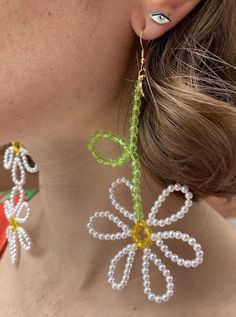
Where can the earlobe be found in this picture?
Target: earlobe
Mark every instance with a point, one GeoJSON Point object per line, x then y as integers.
{"type": "Point", "coordinates": [152, 23]}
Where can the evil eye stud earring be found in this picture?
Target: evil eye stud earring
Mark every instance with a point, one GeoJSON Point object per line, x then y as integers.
{"type": "Point", "coordinates": [160, 18]}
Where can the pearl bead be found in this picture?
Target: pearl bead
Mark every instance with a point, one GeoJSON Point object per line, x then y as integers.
{"type": "Point", "coordinates": [168, 254]}
{"type": "Point", "coordinates": [177, 187]}
{"type": "Point", "coordinates": [178, 235]}
{"type": "Point", "coordinates": [174, 258]}
{"type": "Point", "coordinates": [170, 293]}
{"type": "Point", "coordinates": [192, 241]}
{"type": "Point", "coordinates": [187, 264]}
{"type": "Point", "coordinates": [180, 262]}
{"type": "Point", "coordinates": [184, 209]}
{"type": "Point", "coordinates": [188, 195]}
{"type": "Point", "coordinates": [147, 290]}
{"type": "Point", "coordinates": [165, 298]}
{"type": "Point", "coordinates": [184, 189]}
{"type": "Point", "coordinates": [200, 254]}
{"type": "Point", "coordinates": [174, 218]}
{"type": "Point", "coordinates": [180, 215]}
{"type": "Point", "coordinates": [170, 188]}
{"type": "Point", "coordinates": [197, 247]}
{"type": "Point", "coordinates": [164, 248]}
{"type": "Point", "coordinates": [162, 198]}
{"type": "Point", "coordinates": [169, 279]}
{"type": "Point", "coordinates": [162, 268]}
{"type": "Point", "coordinates": [151, 297]}
{"type": "Point", "coordinates": [165, 192]}
{"type": "Point", "coordinates": [185, 237]}
{"type": "Point", "coordinates": [157, 262]}
{"type": "Point", "coordinates": [170, 286]}
{"type": "Point", "coordinates": [158, 300]}
{"type": "Point", "coordinates": [188, 203]}
{"type": "Point", "coordinates": [162, 223]}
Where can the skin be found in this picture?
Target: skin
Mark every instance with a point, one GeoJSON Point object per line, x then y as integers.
{"type": "Point", "coordinates": [59, 84]}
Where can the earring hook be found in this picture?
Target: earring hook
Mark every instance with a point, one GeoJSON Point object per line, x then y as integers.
{"type": "Point", "coordinates": [142, 71]}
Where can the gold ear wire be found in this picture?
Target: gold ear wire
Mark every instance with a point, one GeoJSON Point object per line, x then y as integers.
{"type": "Point", "coordinates": [142, 71]}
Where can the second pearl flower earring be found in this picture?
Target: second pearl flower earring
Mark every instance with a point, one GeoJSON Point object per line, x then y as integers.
{"type": "Point", "coordinates": [16, 159]}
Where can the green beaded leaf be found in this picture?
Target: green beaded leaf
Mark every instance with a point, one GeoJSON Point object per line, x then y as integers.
{"type": "Point", "coordinates": [122, 142]}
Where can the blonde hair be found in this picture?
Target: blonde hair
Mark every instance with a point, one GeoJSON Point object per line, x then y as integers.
{"type": "Point", "coordinates": [188, 120]}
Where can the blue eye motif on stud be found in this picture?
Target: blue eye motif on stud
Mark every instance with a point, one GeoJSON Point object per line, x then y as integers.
{"type": "Point", "coordinates": [160, 18]}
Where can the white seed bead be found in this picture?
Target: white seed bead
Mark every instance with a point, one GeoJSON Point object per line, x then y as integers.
{"type": "Point", "coordinates": [184, 189]}
{"type": "Point", "coordinates": [177, 187]}
{"type": "Point", "coordinates": [171, 188]}
{"type": "Point", "coordinates": [185, 237]}
{"type": "Point", "coordinates": [180, 215]}
{"type": "Point", "coordinates": [192, 241]}
{"type": "Point", "coordinates": [188, 203]}
{"type": "Point", "coordinates": [162, 198]}
{"type": "Point", "coordinates": [157, 262]}
{"type": "Point", "coordinates": [147, 290]}
{"type": "Point", "coordinates": [184, 209]}
{"type": "Point", "coordinates": [178, 235]}
{"type": "Point", "coordinates": [165, 192]}
{"type": "Point", "coordinates": [170, 286]}
{"type": "Point", "coordinates": [187, 263]}
{"type": "Point", "coordinates": [151, 297]}
{"type": "Point", "coordinates": [180, 262]}
{"type": "Point", "coordinates": [174, 218]}
{"type": "Point", "coordinates": [188, 195]}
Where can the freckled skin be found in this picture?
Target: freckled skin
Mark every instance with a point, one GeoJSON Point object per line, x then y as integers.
{"type": "Point", "coordinates": [54, 59]}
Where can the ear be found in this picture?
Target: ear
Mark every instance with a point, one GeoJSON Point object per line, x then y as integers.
{"type": "Point", "coordinates": [175, 9]}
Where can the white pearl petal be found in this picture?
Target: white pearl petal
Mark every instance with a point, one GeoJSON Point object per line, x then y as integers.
{"type": "Point", "coordinates": [130, 250]}
{"type": "Point", "coordinates": [24, 238]}
{"type": "Point", "coordinates": [114, 202]}
{"type": "Point", "coordinates": [17, 190]}
{"type": "Point", "coordinates": [161, 199]}
{"type": "Point", "coordinates": [11, 236]}
{"type": "Point", "coordinates": [8, 209]}
{"type": "Point", "coordinates": [165, 235]}
{"type": "Point", "coordinates": [108, 236]}
{"type": "Point", "coordinates": [8, 158]}
{"type": "Point", "coordinates": [23, 212]}
{"type": "Point", "coordinates": [24, 153]}
{"type": "Point", "coordinates": [18, 172]}
{"type": "Point", "coordinates": [147, 257]}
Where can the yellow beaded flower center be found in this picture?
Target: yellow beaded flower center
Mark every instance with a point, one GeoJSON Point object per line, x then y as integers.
{"type": "Point", "coordinates": [14, 224]}
{"type": "Point", "coordinates": [17, 147]}
{"type": "Point", "coordinates": [136, 235]}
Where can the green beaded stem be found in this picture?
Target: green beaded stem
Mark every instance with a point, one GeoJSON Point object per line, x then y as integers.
{"type": "Point", "coordinates": [129, 150]}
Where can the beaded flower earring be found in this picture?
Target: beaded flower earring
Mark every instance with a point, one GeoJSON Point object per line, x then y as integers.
{"type": "Point", "coordinates": [17, 213]}
{"type": "Point", "coordinates": [134, 233]}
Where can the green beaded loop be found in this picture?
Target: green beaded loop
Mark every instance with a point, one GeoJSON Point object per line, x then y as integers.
{"type": "Point", "coordinates": [121, 160]}
{"type": "Point", "coordinates": [129, 150]}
